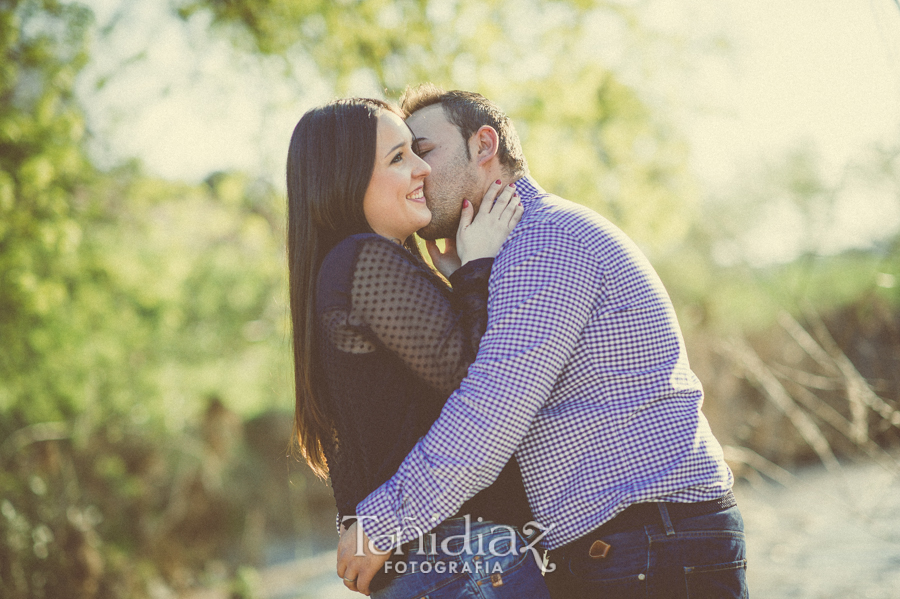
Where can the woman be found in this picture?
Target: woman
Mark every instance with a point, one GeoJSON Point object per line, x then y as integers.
{"type": "Point", "coordinates": [380, 340]}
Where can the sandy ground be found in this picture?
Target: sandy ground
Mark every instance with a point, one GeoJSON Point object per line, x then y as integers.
{"type": "Point", "coordinates": [821, 535]}
{"type": "Point", "coordinates": [825, 535]}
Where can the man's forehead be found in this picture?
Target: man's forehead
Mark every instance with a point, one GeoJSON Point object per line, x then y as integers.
{"type": "Point", "coordinates": [430, 123]}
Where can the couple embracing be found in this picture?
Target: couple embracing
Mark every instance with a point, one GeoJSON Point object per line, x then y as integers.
{"type": "Point", "coordinates": [517, 420]}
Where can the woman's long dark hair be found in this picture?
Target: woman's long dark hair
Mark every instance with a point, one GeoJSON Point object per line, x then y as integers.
{"type": "Point", "coordinates": [330, 163]}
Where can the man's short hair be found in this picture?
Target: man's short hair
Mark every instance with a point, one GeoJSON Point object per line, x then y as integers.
{"type": "Point", "coordinates": [470, 111]}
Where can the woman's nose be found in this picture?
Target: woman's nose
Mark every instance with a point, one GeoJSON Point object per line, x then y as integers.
{"type": "Point", "coordinates": [423, 169]}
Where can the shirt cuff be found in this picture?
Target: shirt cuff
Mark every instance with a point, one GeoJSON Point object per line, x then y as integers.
{"type": "Point", "coordinates": [389, 519]}
{"type": "Point", "coordinates": [378, 516]}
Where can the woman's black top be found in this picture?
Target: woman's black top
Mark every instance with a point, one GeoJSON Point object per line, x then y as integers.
{"type": "Point", "coordinates": [394, 341]}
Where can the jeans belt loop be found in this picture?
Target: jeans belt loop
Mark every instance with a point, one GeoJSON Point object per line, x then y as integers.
{"type": "Point", "coordinates": [664, 515]}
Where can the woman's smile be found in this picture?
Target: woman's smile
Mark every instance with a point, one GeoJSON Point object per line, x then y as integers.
{"type": "Point", "coordinates": [418, 195]}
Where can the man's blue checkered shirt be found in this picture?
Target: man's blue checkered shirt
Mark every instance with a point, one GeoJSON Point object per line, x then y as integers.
{"type": "Point", "coordinates": [582, 373]}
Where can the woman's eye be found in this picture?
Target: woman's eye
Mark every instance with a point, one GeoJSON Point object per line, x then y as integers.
{"type": "Point", "coordinates": [397, 158]}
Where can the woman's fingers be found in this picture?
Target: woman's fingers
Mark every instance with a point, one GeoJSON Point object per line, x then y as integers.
{"type": "Point", "coordinates": [502, 201]}
{"type": "Point", "coordinates": [516, 213]}
{"type": "Point", "coordinates": [499, 200]}
{"type": "Point", "coordinates": [509, 209]}
{"type": "Point", "coordinates": [487, 202]}
{"type": "Point", "coordinates": [498, 214]}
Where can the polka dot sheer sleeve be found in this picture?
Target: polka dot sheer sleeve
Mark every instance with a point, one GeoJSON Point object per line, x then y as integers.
{"type": "Point", "coordinates": [397, 303]}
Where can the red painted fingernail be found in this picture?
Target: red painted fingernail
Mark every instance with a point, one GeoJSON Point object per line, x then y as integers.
{"type": "Point", "coordinates": [511, 185]}
{"type": "Point", "coordinates": [497, 181]}
{"type": "Point", "coordinates": [465, 203]}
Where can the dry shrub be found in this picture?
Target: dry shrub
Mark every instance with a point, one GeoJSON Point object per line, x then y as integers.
{"type": "Point", "coordinates": [817, 387]}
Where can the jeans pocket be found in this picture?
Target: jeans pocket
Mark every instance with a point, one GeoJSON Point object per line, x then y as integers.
{"type": "Point", "coordinates": [717, 581]}
{"type": "Point", "coordinates": [622, 574]}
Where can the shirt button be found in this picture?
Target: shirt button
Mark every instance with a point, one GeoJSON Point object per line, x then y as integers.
{"type": "Point", "coordinates": [641, 576]}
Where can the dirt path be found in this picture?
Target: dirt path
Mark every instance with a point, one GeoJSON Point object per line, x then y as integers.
{"type": "Point", "coordinates": [825, 535]}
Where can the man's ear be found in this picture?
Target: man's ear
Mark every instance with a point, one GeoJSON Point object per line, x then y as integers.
{"type": "Point", "coordinates": [485, 143]}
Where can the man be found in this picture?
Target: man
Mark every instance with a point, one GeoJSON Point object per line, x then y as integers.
{"type": "Point", "coordinates": [583, 374]}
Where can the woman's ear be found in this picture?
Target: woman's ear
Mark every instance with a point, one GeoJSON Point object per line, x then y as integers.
{"type": "Point", "coordinates": [485, 144]}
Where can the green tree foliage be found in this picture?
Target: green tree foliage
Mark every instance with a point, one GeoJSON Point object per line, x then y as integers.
{"type": "Point", "coordinates": [589, 135]}
{"type": "Point", "coordinates": [114, 285]}
{"type": "Point", "coordinates": [44, 177]}
{"type": "Point", "coordinates": [125, 302]}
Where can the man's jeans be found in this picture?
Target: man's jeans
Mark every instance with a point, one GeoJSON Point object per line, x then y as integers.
{"type": "Point", "coordinates": [696, 557]}
{"type": "Point", "coordinates": [481, 559]}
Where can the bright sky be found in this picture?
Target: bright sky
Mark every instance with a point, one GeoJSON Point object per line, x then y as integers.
{"type": "Point", "coordinates": [826, 72]}
{"type": "Point", "coordinates": [814, 72]}
{"type": "Point", "coordinates": [811, 72]}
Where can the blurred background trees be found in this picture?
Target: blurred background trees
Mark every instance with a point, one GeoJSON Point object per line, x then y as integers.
{"type": "Point", "coordinates": [145, 387]}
